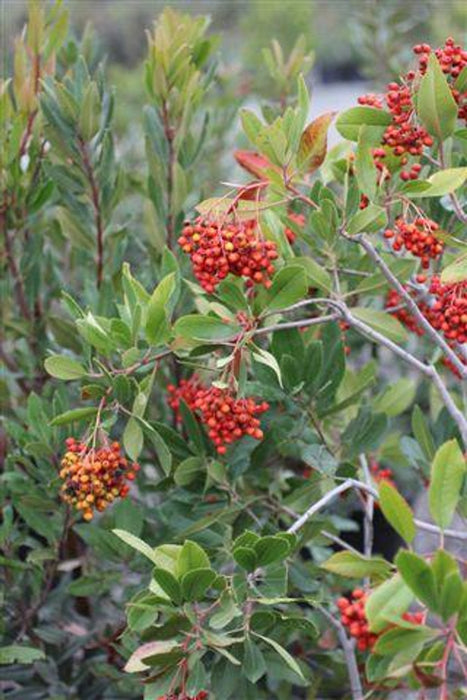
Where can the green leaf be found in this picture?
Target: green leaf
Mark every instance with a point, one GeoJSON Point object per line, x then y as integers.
{"type": "Point", "coordinates": [388, 601]}
{"type": "Point", "coordinates": [133, 438]}
{"type": "Point", "coordinates": [169, 584]}
{"type": "Point", "coordinates": [451, 595]}
{"type": "Point", "coordinates": [397, 397]}
{"type": "Point", "coordinates": [160, 653]}
{"type": "Point", "coordinates": [316, 274]}
{"type": "Point", "coordinates": [137, 544]}
{"type": "Point", "coordinates": [397, 511]}
{"type": "Point", "coordinates": [195, 583]}
{"type": "Point", "coordinates": [396, 640]}
{"type": "Point", "coordinates": [441, 183]}
{"type": "Point", "coordinates": [447, 474]}
{"type": "Point", "coordinates": [157, 317]}
{"type": "Point", "coordinates": [456, 271]}
{"type": "Point", "coordinates": [188, 470]}
{"type": "Point", "coordinates": [365, 168]}
{"type": "Point", "coordinates": [74, 415]}
{"type": "Point", "coordinates": [192, 556]}
{"type": "Point", "coordinates": [284, 654]}
{"type": "Point", "coordinates": [353, 565]}
{"type": "Point", "coordinates": [419, 578]}
{"type": "Point", "coordinates": [348, 123]}
{"type": "Point", "coordinates": [64, 367]}
{"type": "Point", "coordinates": [254, 665]}
{"type": "Point", "coordinates": [245, 557]}
{"type": "Point", "coordinates": [422, 434]}
{"type": "Point", "coordinates": [369, 220]}
{"type": "Point", "coordinates": [16, 654]}
{"type": "Point", "coordinates": [205, 328]}
{"type": "Point", "coordinates": [270, 549]}
{"type": "Point", "coordinates": [288, 286]}
{"type": "Point", "coordinates": [382, 322]}
{"type": "Point", "coordinates": [435, 105]}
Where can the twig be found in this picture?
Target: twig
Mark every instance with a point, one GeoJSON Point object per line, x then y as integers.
{"type": "Point", "coordinates": [304, 323]}
{"type": "Point", "coordinates": [369, 510]}
{"type": "Point", "coordinates": [349, 653]}
{"type": "Point", "coordinates": [411, 304]}
{"type": "Point", "coordinates": [354, 483]}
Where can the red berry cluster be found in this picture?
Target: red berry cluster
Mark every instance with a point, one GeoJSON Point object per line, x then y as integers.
{"type": "Point", "coordinates": [453, 59]}
{"type": "Point", "coordinates": [226, 418]}
{"type": "Point", "coordinates": [298, 220]}
{"type": "Point", "coordinates": [219, 248]}
{"type": "Point", "coordinates": [396, 306]}
{"type": "Point", "coordinates": [448, 313]}
{"type": "Point", "coordinates": [353, 616]}
{"type": "Point", "coordinates": [371, 100]}
{"type": "Point", "coordinates": [186, 390]}
{"type": "Point", "coordinates": [403, 135]}
{"type": "Point", "coordinates": [93, 478]}
{"type": "Point", "coordinates": [418, 237]}
{"type": "Point", "coordinates": [380, 474]}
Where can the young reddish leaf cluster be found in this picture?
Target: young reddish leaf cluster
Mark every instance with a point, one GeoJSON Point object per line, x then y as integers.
{"type": "Point", "coordinates": [226, 418]}
{"type": "Point", "coordinates": [353, 616]}
{"type": "Point", "coordinates": [448, 313]}
{"type": "Point", "coordinates": [93, 478]}
{"type": "Point", "coordinates": [417, 237]}
{"type": "Point", "coordinates": [217, 248]}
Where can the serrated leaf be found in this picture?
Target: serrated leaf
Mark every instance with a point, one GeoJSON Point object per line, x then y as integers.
{"type": "Point", "coordinates": [76, 414]}
{"type": "Point", "coordinates": [447, 474]}
{"type": "Point", "coordinates": [390, 599]}
{"type": "Point", "coordinates": [205, 328]}
{"type": "Point", "coordinates": [353, 565]}
{"type": "Point", "coordinates": [435, 104]}
{"type": "Point", "coordinates": [191, 556]}
{"type": "Point", "coordinates": [196, 582]}
{"type": "Point", "coordinates": [419, 577]}
{"type": "Point", "coordinates": [382, 322]}
{"type": "Point", "coordinates": [288, 658]}
{"type": "Point", "coordinates": [63, 367]}
{"type": "Point", "coordinates": [288, 286]}
{"type": "Point", "coordinates": [369, 220]}
{"type": "Point", "coordinates": [397, 511]}
{"type": "Point", "coordinates": [349, 122]}
{"type": "Point", "coordinates": [313, 143]}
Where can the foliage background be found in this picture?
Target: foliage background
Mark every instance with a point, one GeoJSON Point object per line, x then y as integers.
{"type": "Point", "coordinates": [370, 41]}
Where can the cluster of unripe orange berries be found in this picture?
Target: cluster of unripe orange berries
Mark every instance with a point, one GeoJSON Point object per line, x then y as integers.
{"type": "Point", "coordinates": [353, 617]}
{"type": "Point", "coordinates": [418, 237]}
{"type": "Point", "coordinates": [380, 474]}
{"type": "Point", "coordinates": [217, 248]}
{"type": "Point", "coordinates": [226, 417]}
{"type": "Point", "coordinates": [94, 478]}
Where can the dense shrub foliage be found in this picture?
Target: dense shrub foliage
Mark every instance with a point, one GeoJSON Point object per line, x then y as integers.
{"type": "Point", "coordinates": [209, 427]}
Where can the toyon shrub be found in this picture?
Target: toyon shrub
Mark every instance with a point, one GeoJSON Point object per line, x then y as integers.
{"type": "Point", "coordinates": [234, 466]}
